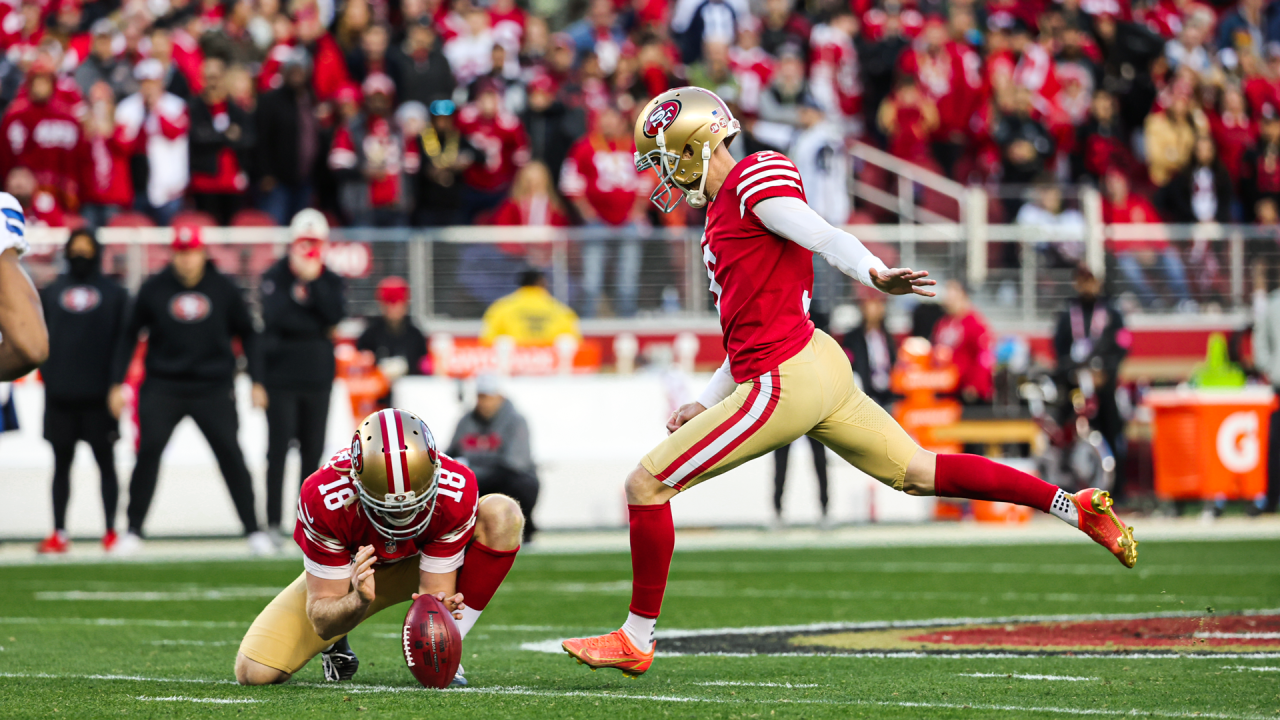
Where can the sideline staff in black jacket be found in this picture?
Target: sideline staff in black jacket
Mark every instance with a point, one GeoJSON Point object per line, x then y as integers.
{"type": "Point", "coordinates": [85, 312]}
{"type": "Point", "coordinates": [301, 302]}
{"type": "Point", "coordinates": [191, 312]}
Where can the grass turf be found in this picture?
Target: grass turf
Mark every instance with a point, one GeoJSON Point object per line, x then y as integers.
{"type": "Point", "coordinates": [169, 646]}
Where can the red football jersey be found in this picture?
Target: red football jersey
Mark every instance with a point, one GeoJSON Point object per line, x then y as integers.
{"type": "Point", "coordinates": [503, 142]}
{"type": "Point", "coordinates": [762, 282]}
{"type": "Point", "coordinates": [332, 524]}
{"type": "Point", "coordinates": [604, 173]}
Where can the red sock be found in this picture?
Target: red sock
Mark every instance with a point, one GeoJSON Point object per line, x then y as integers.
{"type": "Point", "coordinates": [482, 572]}
{"type": "Point", "coordinates": [975, 477]}
{"type": "Point", "coordinates": [653, 540]}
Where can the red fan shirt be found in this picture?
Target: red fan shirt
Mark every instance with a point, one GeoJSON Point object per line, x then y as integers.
{"type": "Point", "coordinates": [762, 282]}
{"type": "Point", "coordinates": [503, 142]}
{"type": "Point", "coordinates": [970, 342]}
{"type": "Point", "coordinates": [604, 173]}
{"type": "Point", "coordinates": [332, 524]}
{"type": "Point", "coordinates": [107, 180]}
{"type": "Point", "coordinates": [952, 78]}
{"type": "Point", "coordinates": [44, 137]}
{"type": "Point", "coordinates": [1134, 209]}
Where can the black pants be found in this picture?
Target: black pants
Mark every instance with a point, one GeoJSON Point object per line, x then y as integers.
{"type": "Point", "coordinates": [65, 424]}
{"type": "Point", "coordinates": [215, 414]}
{"type": "Point", "coordinates": [293, 415]}
{"type": "Point", "coordinates": [521, 487]}
{"type": "Point", "coordinates": [780, 457]}
{"type": "Point", "coordinates": [1273, 462]}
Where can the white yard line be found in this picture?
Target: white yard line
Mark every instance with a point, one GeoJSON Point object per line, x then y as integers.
{"type": "Point", "coordinates": [1254, 668]}
{"type": "Point", "coordinates": [231, 593]}
{"type": "Point", "coordinates": [201, 643]}
{"type": "Point", "coordinates": [212, 701]}
{"type": "Point", "coordinates": [1068, 678]}
{"type": "Point", "coordinates": [553, 647]}
{"type": "Point", "coordinates": [115, 622]}
{"type": "Point", "coordinates": [737, 684]}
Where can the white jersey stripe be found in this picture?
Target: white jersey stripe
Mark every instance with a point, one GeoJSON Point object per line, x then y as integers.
{"type": "Point", "coordinates": [768, 163]}
{"type": "Point", "coordinates": [742, 206]}
{"type": "Point", "coordinates": [776, 172]}
{"type": "Point", "coordinates": [459, 532]}
{"type": "Point", "coordinates": [743, 426]}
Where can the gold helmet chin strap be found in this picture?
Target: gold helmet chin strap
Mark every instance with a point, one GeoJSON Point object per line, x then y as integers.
{"type": "Point", "coordinates": [697, 199]}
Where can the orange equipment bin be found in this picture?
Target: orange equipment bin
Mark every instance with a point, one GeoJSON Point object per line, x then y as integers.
{"type": "Point", "coordinates": [1211, 444]}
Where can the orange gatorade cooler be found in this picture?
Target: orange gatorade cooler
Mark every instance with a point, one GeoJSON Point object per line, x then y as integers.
{"type": "Point", "coordinates": [1211, 444]}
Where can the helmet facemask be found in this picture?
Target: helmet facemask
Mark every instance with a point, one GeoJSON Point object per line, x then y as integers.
{"type": "Point", "coordinates": [669, 192]}
{"type": "Point", "coordinates": [399, 516]}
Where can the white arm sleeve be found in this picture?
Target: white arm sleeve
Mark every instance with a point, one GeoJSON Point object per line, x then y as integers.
{"type": "Point", "coordinates": [720, 387]}
{"type": "Point", "coordinates": [794, 220]}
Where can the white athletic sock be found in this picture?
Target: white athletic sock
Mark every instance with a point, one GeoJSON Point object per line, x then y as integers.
{"type": "Point", "coordinates": [640, 630]}
{"type": "Point", "coordinates": [469, 617]}
{"type": "Point", "coordinates": [1065, 510]}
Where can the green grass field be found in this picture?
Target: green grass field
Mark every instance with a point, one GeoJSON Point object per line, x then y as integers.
{"type": "Point", "coordinates": [158, 640]}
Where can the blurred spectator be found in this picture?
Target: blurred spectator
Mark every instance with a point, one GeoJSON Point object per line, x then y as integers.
{"type": "Point", "coordinates": [702, 23]}
{"type": "Point", "coordinates": [231, 40]}
{"type": "Point", "coordinates": [1170, 136]}
{"type": "Point", "coordinates": [1090, 337]}
{"type": "Point", "coordinates": [371, 55]}
{"type": "Point", "coordinates": [599, 34]}
{"type": "Point", "coordinates": [85, 314]}
{"type": "Point", "coordinates": [872, 350]}
{"type": "Point", "coordinates": [1026, 147]}
{"type": "Point", "coordinates": [818, 151]}
{"type": "Point", "coordinates": [908, 119]}
{"type": "Point", "coordinates": [287, 138]}
{"type": "Point", "coordinates": [107, 185]}
{"type": "Point", "coordinates": [530, 315]}
{"type": "Point", "coordinates": [1045, 209]}
{"type": "Point", "coordinates": [39, 206]}
{"type": "Point", "coordinates": [398, 346]}
{"type": "Point", "coordinates": [171, 78]}
{"type": "Point", "coordinates": [947, 73]}
{"type": "Point", "coordinates": [1234, 134]}
{"type": "Point", "coordinates": [533, 200]}
{"type": "Point", "coordinates": [191, 312]}
{"type": "Point", "coordinates": [782, 25]}
{"type": "Point", "coordinates": [368, 158]}
{"type": "Point", "coordinates": [712, 72]}
{"type": "Point", "coordinates": [1135, 258]}
{"type": "Point", "coordinates": [780, 102]}
{"type": "Point", "coordinates": [470, 51]}
{"type": "Point", "coordinates": [102, 64]}
{"type": "Point", "coordinates": [781, 458]}
{"type": "Point", "coordinates": [1260, 167]}
{"type": "Point", "coordinates": [834, 73]}
{"type": "Point", "coordinates": [328, 66]}
{"type": "Point", "coordinates": [752, 66]}
{"type": "Point", "coordinates": [40, 133]}
{"type": "Point", "coordinates": [600, 179]}
{"type": "Point", "coordinates": [1201, 192]}
{"type": "Point", "coordinates": [444, 154]}
{"type": "Point", "coordinates": [965, 337]}
{"type": "Point", "coordinates": [1188, 49]}
{"type": "Point", "coordinates": [493, 440]}
{"type": "Point", "coordinates": [418, 66]}
{"type": "Point", "coordinates": [223, 139]}
{"type": "Point", "coordinates": [552, 126]}
{"type": "Point", "coordinates": [157, 122]}
{"type": "Point", "coordinates": [302, 301]}
{"type": "Point", "coordinates": [503, 147]}
{"type": "Point", "coordinates": [1241, 29]}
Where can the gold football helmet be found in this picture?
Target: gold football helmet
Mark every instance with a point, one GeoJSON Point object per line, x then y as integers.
{"type": "Point", "coordinates": [395, 467]}
{"type": "Point", "coordinates": [684, 118]}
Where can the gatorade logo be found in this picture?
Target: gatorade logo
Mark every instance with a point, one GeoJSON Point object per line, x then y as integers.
{"type": "Point", "coordinates": [1238, 447]}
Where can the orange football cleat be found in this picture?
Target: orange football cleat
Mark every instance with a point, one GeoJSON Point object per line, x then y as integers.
{"type": "Point", "coordinates": [55, 544]}
{"type": "Point", "coordinates": [614, 650]}
{"type": "Point", "coordinates": [1099, 521]}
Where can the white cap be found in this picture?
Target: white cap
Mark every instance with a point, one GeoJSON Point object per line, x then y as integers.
{"type": "Point", "coordinates": [310, 224]}
{"type": "Point", "coordinates": [488, 384]}
{"type": "Point", "coordinates": [149, 69]}
{"type": "Point", "coordinates": [13, 232]}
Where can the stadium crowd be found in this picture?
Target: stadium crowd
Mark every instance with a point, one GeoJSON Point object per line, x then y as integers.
{"type": "Point", "coordinates": [437, 112]}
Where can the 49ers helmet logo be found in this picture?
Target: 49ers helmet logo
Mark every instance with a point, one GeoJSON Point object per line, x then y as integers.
{"type": "Point", "coordinates": [357, 455]}
{"type": "Point", "coordinates": [661, 117]}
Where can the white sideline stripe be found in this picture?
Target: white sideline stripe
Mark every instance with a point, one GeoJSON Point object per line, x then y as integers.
{"type": "Point", "coordinates": [553, 647]}
{"type": "Point", "coordinates": [114, 622]}
{"type": "Point", "coordinates": [1239, 635]}
{"type": "Point", "coordinates": [864, 703]}
{"type": "Point", "coordinates": [960, 568]}
{"type": "Point", "coordinates": [737, 684]}
{"type": "Point", "coordinates": [1069, 678]}
{"type": "Point", "coordinates": [214, 701]}
{"type": "Point", "coordinates": [517, 690]}
{"type": "Point", "coordinates": [232, 593]}
{"type": "Point", "coordinates": [1255, 668]}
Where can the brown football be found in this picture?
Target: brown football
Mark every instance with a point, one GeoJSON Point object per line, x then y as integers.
{"type": "Point", "coordinates": [431, 642]}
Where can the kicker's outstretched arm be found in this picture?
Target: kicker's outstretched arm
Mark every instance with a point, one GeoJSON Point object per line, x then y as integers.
{"type": "Point", "coordinates": [794, 220]}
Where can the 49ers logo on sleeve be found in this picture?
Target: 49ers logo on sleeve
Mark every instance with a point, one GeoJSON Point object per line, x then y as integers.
{"type": "Point", "coordinates": [189, 307]}
{"type": "Point", "coordinates": [80, 299]}
{"type": "Point", "coordinates": [661, 118]}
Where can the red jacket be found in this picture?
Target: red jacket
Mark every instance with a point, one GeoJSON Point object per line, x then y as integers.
{"type": "Point", "coordinates": [503, 142]}
{"type": "Point", "coordinates": [970, 342]}
{"type": "Point", "coordinates": [45, 138]}
{"type": "Point", "coordinates": [330, 68]}
{"type": "Point", "coordinates": [106, 179]}
{"type": "Point", "coordinates": [1135, 209]}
